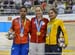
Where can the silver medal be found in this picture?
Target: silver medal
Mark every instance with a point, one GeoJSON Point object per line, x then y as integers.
{"type": "Point", "coordinates": [21, 34]}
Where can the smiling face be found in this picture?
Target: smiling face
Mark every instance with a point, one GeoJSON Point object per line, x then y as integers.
{"type": "Point", "coordinates": [38, 12]}
{"type": "Point", "coordinates": [52, 14]}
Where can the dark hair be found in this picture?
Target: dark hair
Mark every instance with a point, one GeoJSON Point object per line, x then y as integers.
{"type": "Point", "coordinates": [23, 7]}
{"type": "Point", "coordinates": [55, 11]}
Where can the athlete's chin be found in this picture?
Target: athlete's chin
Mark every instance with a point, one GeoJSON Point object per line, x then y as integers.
{"type": "Point", "coordinates": [22, 16]}
{"type": "Point", "coordinates": [38, 15]}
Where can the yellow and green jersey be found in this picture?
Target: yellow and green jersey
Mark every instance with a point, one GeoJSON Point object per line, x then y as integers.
{"type": "Point", "coordinates": [54, 28]}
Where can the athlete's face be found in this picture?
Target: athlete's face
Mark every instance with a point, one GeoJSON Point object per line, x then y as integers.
{"type": "Point", "coordinates": [52, 14]}
{"type": "Point", "coordinates": [38, 11]}
{"type": "Point", "coordinates": [23, 12]}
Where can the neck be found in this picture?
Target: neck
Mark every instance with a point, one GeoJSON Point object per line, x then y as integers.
{"type": "Point", "coordinates": [23, 18]}
{"type": "Point", "coordinates": [52, 19]}
{"type": "Point", "coordinates": [39, 18]}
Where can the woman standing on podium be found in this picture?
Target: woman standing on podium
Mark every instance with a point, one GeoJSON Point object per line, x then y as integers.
{"type": "Point", "coordinates": [38, 33]}
{"type": "Point", "coordinates": [54, 41]}
{"type": "Point", "coordinates": [20, 27]}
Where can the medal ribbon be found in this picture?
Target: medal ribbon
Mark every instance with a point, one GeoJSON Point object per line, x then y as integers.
{"type": "Point", "coordinates": [48, 29]}
{"type": "Point", "coordinates": [22, 27]}
{"type": "Point", "coordinates": [38, 26]}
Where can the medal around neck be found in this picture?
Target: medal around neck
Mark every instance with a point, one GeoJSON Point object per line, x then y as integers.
{"type": "Point", "coordinates": [38, 33]}
{"type": "Point", "coordinates": [22, 28]}
{"type": "Point", "coordinates": [38, 26]}
{"type": "Point", "coordinates": [21, 34]}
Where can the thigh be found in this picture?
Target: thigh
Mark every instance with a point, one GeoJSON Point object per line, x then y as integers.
{"type": "Point", "coordinates": [56, 50]}
{"type": "Point", "coordinates": [47, 49]}
{"type": "Point", "coordinates": [59, 50]}
{"type": "Point", "coordinates": [24, 49]}
{"type": "Point", "coordinates": [15, 50]}
{"type": "Point", "coordinates": [32, 49]}
{"type": "Point", "coordinates": [41, 49]}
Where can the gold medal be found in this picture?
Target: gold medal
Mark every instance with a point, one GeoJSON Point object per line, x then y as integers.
{"type": "Point", "coordinates": [38, 33]}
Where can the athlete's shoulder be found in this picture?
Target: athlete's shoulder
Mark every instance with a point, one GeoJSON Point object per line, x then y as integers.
{"type": "Point", "coordinates": [46, 20]}
{"type": "Point", "coordinates": [59, 20]}
{"type": "Point", "coordinates": [33, 18]}
{"type": "Point", "coordinates": [28, 20]}
{"type": "Point", "coordinates": [15, 19]}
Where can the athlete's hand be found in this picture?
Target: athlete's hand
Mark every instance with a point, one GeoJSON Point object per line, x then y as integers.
{"type": "Point", "coordinates": [11, 30]}
{"type": "Point", "coordinates": [11, 34]}
{"type": "Point", "coordinates": [64, 46]}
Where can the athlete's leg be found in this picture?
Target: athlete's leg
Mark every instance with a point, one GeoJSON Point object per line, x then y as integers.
{"type": "Point", "coordinates": [41, 49]}
{"type": "Point", "coordinates": [15, 50]}
{"type": "Point", "coordinates": [47, 49]}
{"type": "Point", "coordinates": [32, 49]}
{"type": "Point", "coordinates": [24, 49]}
{"type": "Point", "coordinates": [56, 50]}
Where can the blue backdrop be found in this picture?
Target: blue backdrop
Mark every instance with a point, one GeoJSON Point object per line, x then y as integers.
{"type": "Point", "coordinates": [5, 26]}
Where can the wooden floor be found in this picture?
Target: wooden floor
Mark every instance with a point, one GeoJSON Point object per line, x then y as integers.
{"type": "Point", "coordinates": [65, 52]}
{"type": "Point", "coordinates": [4, 52]}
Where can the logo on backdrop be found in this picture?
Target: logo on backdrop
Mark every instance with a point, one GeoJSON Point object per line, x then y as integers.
{"type": "Point", "coordinates": [9, 18]}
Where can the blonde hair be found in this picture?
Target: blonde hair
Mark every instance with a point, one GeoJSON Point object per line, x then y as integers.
{"type": "Point", "coordinates": [39, 7]}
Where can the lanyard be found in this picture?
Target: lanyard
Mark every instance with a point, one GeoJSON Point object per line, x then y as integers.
{"type": "Point", "coordinates": [49, 29]}
{"type": "Point", "coordinates": [38, 26]}
{"type": "Point", "coordinates": [22, 27]}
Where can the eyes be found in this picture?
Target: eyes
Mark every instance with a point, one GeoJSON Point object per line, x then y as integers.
{"type": "Point", "coordinates": [51, 13]}
{"type": "Point", "coordinates": [23, 10]}
{"type": "Point", "coordinates": [38, 10]}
